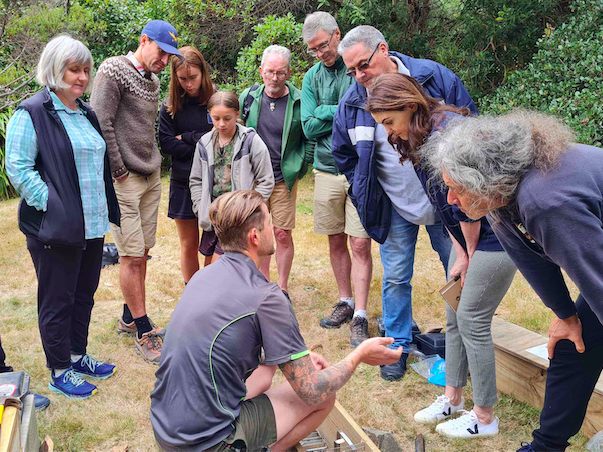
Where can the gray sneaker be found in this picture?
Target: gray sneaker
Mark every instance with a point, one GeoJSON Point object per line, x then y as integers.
{"type": "Point", "coordinates": [342, 314]}
{"type": "Point", "coordinates": [358, 331]}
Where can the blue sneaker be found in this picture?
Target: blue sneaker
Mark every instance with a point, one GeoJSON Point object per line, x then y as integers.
{"type": "Point", "coordinates": [71, 385]}
{"type": "Point", "coordinates": [93, 368]}
{"type": "Point", "coordinates": [525, 447]}
{"type": "Point", "coordinates": [41, 402]}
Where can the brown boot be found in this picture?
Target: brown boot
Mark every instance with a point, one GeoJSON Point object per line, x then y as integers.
{"type": "Point", "coordinates": [149, 347]}
{"type": "Point", "coordinates": [358, 331]}
{"type": "Point", "coordinates": [342, 314]}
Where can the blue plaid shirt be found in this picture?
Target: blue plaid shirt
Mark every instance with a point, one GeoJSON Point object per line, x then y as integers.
{"type": "Point", "coordinates": [88, 151]}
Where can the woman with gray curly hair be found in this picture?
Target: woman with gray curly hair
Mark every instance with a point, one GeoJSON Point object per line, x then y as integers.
{"type": "Point", "coordinates": [543, 196]}
{"type": "Point", "coordinates": [57, 161]}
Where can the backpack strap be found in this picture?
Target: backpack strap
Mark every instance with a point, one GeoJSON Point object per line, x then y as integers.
{"type": "Point", "coordinates": [248, 102]}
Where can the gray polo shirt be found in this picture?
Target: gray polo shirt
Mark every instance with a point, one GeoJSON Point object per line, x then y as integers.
{"type": "Point", "coordinates": [227, 314]}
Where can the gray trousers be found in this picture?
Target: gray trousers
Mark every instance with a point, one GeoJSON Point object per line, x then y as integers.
{"type": "Point", "coordinates": [469, 343]}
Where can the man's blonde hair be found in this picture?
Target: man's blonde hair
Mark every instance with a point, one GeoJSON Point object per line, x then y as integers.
{"type": "Point", "coordinates": [233, 215]}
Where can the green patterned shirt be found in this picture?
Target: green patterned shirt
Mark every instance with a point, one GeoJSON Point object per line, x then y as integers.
{"type": "Point", "coordinates": [223, 165]}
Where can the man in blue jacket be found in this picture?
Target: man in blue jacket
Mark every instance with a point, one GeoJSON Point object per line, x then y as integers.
{"type": "Point", "coordinates": [388, 196]}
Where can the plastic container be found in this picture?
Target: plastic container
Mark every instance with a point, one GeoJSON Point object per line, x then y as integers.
{"type": "Point", "coordinates": [432, 343]}
{"type": "Point", "coordinates": [415, 332]}
{"type": "Point", "coordinates": [381, 327]}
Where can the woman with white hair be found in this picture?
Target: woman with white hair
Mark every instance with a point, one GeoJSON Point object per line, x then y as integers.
{"type": "Point", "coordinates": [56, 159]}
{"type": "Point", "coordinates": [544, 198]}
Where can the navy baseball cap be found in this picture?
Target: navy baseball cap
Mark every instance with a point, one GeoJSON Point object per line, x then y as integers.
{"type": "Point", "coordinates": [164, 35]}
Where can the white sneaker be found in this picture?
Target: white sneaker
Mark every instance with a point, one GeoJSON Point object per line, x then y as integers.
{"type": "Point", "coordinates": [467, 426]}
{"type": "Point", "coordinates": [438, 411]}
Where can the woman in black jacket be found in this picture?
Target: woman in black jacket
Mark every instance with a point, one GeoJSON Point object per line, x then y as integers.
{"type": "Point", "coordinates": [183, 120]}
{"type": "Point", "coordinates": [56, 158]}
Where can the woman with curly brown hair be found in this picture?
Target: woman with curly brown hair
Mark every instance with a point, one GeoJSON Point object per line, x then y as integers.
{"type": "Point", "coordinates": [411, 118]}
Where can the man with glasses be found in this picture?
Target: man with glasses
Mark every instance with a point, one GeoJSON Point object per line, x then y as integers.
{"type": "Point", "coordinates": [390, 200]}
{"type": "Point", "coordinates": [334, 213]}
{"type": "Point", "coordinates": [275, 114]}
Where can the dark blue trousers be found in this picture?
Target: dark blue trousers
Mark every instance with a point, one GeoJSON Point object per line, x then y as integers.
{"type": "Point", "coordinates": [67, 280]}
{"type": "Point", "coordinates": [570, 382]}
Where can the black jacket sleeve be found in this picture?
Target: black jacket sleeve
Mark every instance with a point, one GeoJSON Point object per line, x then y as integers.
{"type": "Point", "coordinates": [170, 145]}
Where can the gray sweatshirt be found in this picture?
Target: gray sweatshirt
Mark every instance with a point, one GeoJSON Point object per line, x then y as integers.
{"type": "Point", "coordinates": [556, 223]}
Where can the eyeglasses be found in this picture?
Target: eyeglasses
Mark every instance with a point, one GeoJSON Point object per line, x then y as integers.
{"type": "Point", "coordinates": [364, 66]}
{"type": "Point", "coordinates": [279, 75]}
{"type": "Point", "coordinates": [321, 48]}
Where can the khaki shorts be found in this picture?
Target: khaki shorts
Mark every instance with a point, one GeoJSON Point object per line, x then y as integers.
{"type": "Point", "coordinates": [138, 198]}
{"type": "Point", "coordinates": [282, 206]}
{"type": "Point", "coordinates": [334, 211]}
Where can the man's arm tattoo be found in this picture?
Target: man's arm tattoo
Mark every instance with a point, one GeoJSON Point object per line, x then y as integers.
{"type": "Point", "coordinates": [315, 386]}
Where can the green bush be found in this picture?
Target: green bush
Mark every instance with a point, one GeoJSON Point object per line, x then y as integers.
{"type": "Point", "coordinates": [565, 75]}
{"type": "Point", "coordinates": [284, 31]}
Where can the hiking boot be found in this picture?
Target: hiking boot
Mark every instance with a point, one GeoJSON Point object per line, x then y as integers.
{"type": "Point", "coordinates": [439, 410]}
{"type": "Point", "coordinates": [93, 368]}
{"type": "Point", "coordinates": [467, 426]}
{"type": "Point", "coordinates": [342, 314]}
{"type": "Point", "coordinates": [149, 347]}
{"type": "Point", "coordinates": [358, 331]}
{"type": "Point", "coordinates": [130, 328]}
{"type": "Point", "coordinates": [396, 371]}
{"type": "Point", "coordinates": [71, 385]}
{"type": "Point", "coordinates": [526, 447]}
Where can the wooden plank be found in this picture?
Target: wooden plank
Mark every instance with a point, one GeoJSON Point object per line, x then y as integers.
{"type": "Point", "coordinates": [340, 419]}
{"type": "Point", "coordinates": [523, 375]}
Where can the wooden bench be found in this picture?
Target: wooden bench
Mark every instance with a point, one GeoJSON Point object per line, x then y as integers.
{"type": "Point", "coordinates": [522, 374]}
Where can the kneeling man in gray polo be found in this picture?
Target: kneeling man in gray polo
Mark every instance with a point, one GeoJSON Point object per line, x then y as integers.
{"type": "Point", "coordinates": [213, 389]}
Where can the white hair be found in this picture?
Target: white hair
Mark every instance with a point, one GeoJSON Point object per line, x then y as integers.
{"type": "Point", "coordinates": [316, 22]}
{"type": "Point", "coordinates": [58, 53]}
{"type": "Point", "coordinates": [281, 51]}
{"type": "Point", "coordinates": [367, 35]}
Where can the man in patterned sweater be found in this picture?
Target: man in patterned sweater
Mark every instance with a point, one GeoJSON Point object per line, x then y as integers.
{"type": "Point", "coordinates": [126, 99]}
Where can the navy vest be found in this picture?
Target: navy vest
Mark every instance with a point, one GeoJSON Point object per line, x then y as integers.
{"type": "Point", "coordinates": [63, 221]}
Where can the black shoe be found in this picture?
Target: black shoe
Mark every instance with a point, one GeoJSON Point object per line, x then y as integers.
{"type": "Point", "coordinates": [41, 402]}
{"type": "Point", "coordinates": [525, 447]}
{"type": "Point", "coordinates": [396, 371]}
{"type": "Point", "coordinates": [358, 331]}
{"type": "Point", "coordinates": [342, 314]}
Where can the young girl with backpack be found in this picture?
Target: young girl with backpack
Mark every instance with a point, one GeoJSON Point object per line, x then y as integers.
{"type": "Point", "coordinates": [230, 157]}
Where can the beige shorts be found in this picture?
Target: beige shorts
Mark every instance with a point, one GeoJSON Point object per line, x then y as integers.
{"type": "Point", "coordinates": [138, 198]}
{"type": "Point", "coordinates": [334, 211]}
{"type": "Point", "coordinates": [282, 206]}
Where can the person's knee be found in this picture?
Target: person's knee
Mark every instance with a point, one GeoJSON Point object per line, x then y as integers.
{"type": "Point", "coordinates": [472, 328]}
{"type": "Point", "coordinates": [327, 405]}
{"type": "Point", "coordinates": [133, 262]}
{"type": "Point", "coordinates": [361, 248]}
{"type": "Point", "coordinates": [283, 237]}
{"type": "Point", "coordinates": [338, 243]}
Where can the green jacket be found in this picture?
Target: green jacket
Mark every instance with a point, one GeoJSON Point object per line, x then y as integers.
{"type": "Point", "coordinates": [296, 152]}
{"type": "Point", "coordinates": [322, 89]}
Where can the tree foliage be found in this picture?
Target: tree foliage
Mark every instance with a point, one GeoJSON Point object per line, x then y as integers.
{"type": "Point", "coordinates": [565, 75]}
